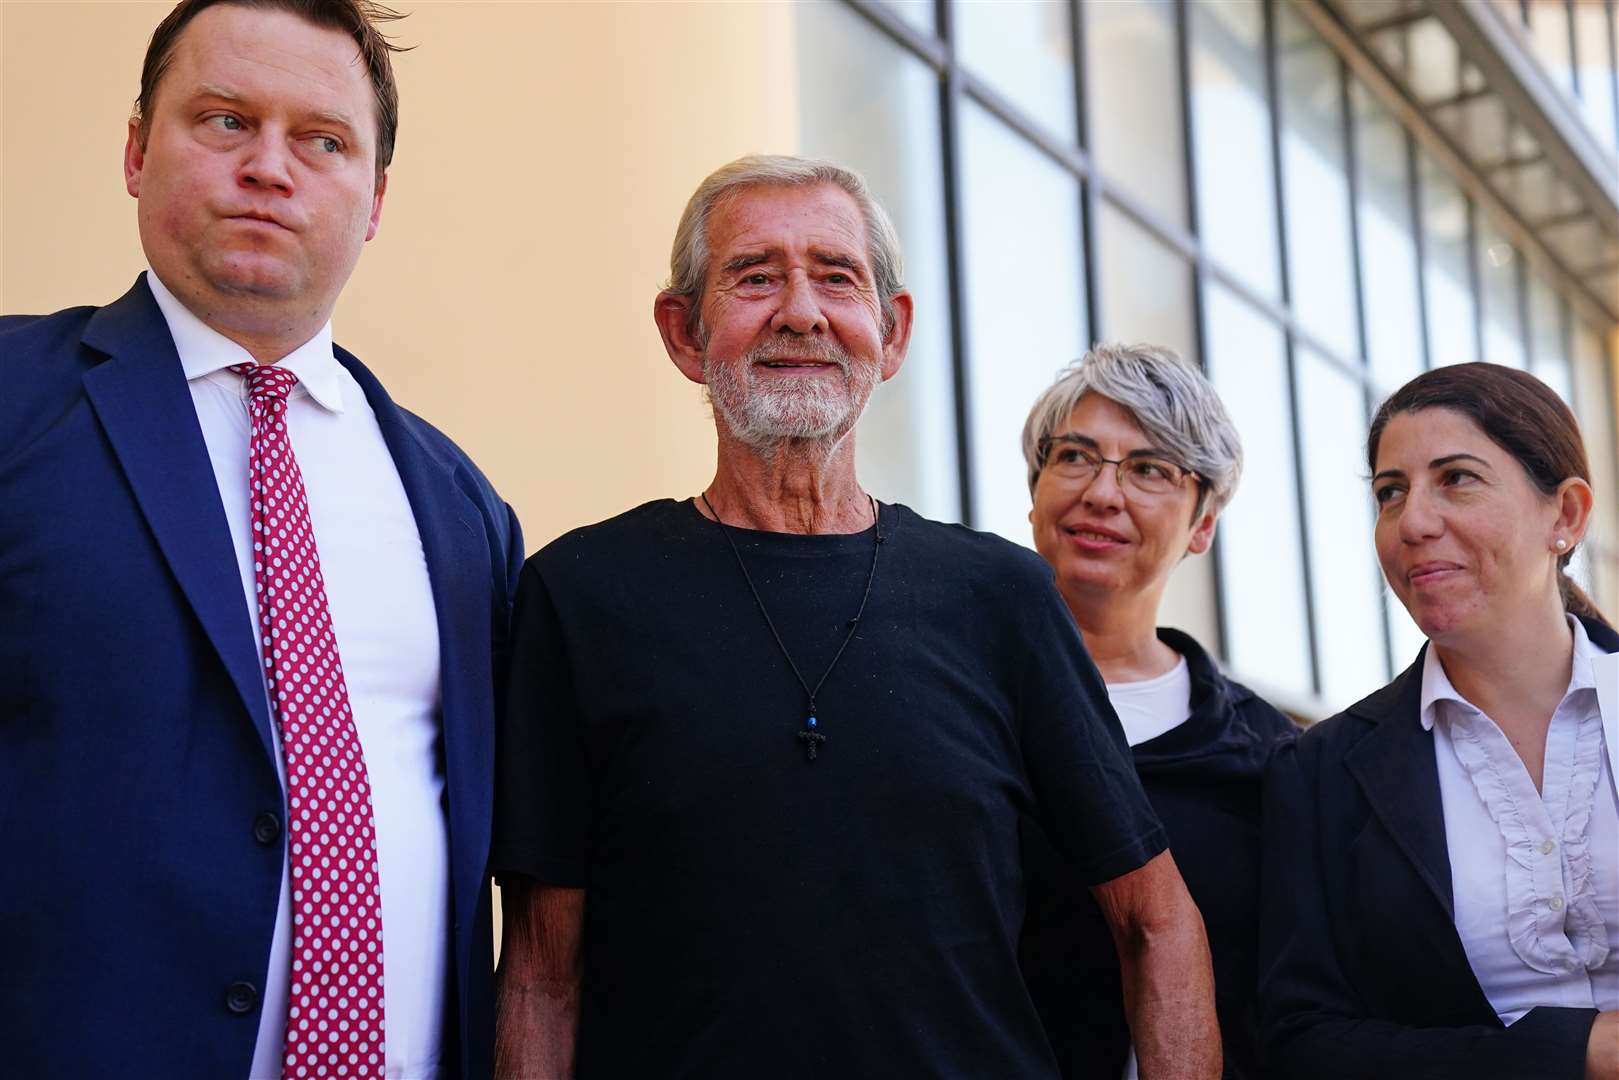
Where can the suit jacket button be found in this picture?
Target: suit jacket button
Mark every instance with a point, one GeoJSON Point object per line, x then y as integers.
{"type": "Point", "coordinates": [266, 829]}
{"type": "Point", "coordinates": [240, 997]}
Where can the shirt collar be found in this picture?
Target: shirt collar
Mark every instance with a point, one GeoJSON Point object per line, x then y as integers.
{"type": "Point", "coordinates": [204, 350]}
{"type": "Point", "coordinates": [1436, 685]}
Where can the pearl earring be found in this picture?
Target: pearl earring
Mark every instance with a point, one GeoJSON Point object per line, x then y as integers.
{"type": "Point", "coordinates": [1561, 545]}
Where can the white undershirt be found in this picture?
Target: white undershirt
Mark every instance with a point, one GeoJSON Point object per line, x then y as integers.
{"type": "Point", "coordinates": [1147, 709]}
{"type": "Point", "coordinates": [1535, 875]}
{"type": "Point", "coordinates": [382, 610]}
{"type": "Point", "coordinates": [1153, 706]}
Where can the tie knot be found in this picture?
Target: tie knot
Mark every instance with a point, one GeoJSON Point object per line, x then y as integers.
{"type": "Point", "coordinates": [266, 382]}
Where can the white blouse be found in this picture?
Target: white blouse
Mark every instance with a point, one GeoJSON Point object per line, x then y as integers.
{"type": "Point", "coordinates": [1535, 874]}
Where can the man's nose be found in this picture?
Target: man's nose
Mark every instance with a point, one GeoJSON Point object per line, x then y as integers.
{"type": "Point", "coordinates": [267, 163]}
{"type": "Point", "coordinates": [800, 311]}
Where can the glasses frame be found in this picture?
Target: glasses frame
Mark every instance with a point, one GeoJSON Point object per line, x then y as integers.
{"type": "Point", "coordinates": [1086, 447]}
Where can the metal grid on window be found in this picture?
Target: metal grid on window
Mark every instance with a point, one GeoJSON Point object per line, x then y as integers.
{"type": "Point", "coordinates": [958, 84]}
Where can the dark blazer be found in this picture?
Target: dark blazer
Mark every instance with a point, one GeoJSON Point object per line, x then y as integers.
{"type": "Point", "coordinates": [1363, 973]}
{"type": "Point", "coordinates": [1204, 779]}
{"type": "Point", "coordinates": [139, 804]}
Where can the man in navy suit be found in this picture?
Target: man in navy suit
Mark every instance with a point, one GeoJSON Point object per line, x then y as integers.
{"type": "Point", "coordinates": [171, 727]}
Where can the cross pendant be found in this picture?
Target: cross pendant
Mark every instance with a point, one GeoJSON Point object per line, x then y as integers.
{"type": "Point", "coordinates": [811, 739]}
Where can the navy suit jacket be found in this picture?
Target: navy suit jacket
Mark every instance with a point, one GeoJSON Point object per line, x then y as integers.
{"type": "Point", "coordinates": [1363, 973]}
{"type": "Point", "coordinates": [139, 805]}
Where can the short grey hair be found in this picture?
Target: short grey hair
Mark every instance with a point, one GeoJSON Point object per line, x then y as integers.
{"type": "Point", "coordinates": [688, 258]}
{"type": "Point", "coordinates": [1172, 401]}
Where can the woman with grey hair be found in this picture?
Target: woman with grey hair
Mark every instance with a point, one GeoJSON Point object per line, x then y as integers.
{"type": "Point", "coordinates": [1131, 457]}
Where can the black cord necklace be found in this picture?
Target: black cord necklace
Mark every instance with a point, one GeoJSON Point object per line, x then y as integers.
{"type": "Point", "coordinates": [810, 736]}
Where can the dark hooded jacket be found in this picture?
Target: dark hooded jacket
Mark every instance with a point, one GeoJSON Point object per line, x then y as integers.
{"type": "Point", "coordinates": [1204, 778]}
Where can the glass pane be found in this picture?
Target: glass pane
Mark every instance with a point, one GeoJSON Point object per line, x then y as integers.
{"type": "Point", "coordinates": [1146, 287]}
{"type": "Point", "coordinates": [1388, 245]}
{"type": "Point", "coordinates": [1546, 334]}
{"type": "Point", "coordinates": [1498, 269]}
{"type": "Point", "coordinates": [1135, 111]}
{"type": "Point", "coordinates": [1343, 560]}
{"type": "Point", "coordinates": [1321, 264]}
{"type": "Point", "coordinates": [883, 119]}
{"type": "Point", "coordinates": [1596, 72]}
{"type": "Point", "coordinates": [1026, 303]}
{"type": "Point", "coordinates": [1261, 557]}
{"type": "Point", "coordinates": [1595, 405]}
{"type": "Point", "coordinates": [1452, 330]}
{"type": "Point", "coordinates": [919, 13]}
{"type": "Point", "coordinates": [1025, 50]}
{"type": "Point", "coordinates": [1548, 33]}
{"type": "Point", "coordinates": [1236, 199]}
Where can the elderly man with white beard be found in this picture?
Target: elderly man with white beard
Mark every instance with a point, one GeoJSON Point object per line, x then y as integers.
{"type": "Point", "coordinates": [765, 750]}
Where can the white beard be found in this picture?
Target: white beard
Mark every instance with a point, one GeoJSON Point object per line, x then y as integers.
{"type": "Point", "coordinates": [764, 414]}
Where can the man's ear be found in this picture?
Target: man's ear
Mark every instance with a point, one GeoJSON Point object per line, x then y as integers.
{"type": "Point", "coordinates": [134, 160]}
{"type": "Point", "coordinates": [672, 313]}
{"type": "Point", "coordinates": [376, 206]}
{"type": "Point", "coordinates": [901, 312]}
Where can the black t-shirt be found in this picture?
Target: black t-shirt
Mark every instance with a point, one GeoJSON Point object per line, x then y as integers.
{"type": "Point", "coordinates": [752, 913]}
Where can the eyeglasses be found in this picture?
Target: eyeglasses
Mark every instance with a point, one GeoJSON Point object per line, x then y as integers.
{"type": "Point", "coordinates": [1071, 458]}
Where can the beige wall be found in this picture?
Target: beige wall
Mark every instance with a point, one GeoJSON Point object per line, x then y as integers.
{"type": "Point", "coordinates": [545, 151]}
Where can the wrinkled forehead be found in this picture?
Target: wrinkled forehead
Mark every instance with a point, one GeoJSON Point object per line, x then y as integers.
{"type": "Point", "coordinates": [787, 220]}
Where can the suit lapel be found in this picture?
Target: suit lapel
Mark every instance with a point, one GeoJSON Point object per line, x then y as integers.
{"type": "Point", "coordinates": [1399, 775]}
{"type": "Point", "coordinates": [141, 398]}
{"type": "Point", "coordinates": [458, 566]}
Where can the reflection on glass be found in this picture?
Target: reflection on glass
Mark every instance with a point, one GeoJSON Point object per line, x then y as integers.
{"type": "Point", "coordinates": [1498, 269]}
{"type": "Point", "coordinates": [1550, 347]}
{"type": "Point", "coordinates": [1236, 199]}
{"type": "Point", "coordinates": [1452, 330]}
{"type": "Point", "coordinates": [1261, 557]}
{"type": "Point", "coordinates": [884, 121]}
{"type": "Point", "coordinates": [1025, 50]}
{"type": "Point", "coordinates": [1343, 561]}
{"type": "Point", "coordinates": [1025, 292]}
{"type": "Point", "coordinates": [1135, 110]}
{"type": "Point", "coordinates": [1146, 287]}
{"type": "Point", "coordinates": [1388, 246]}
{"type": "Point", "coordinates": [1321, 264]}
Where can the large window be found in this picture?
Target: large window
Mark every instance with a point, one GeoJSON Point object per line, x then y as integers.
{"type": "Point", "coordinates": [1213, 175]}
{"type": "Point", "coordinates": [1025, 285]}
{"type": "Point", "coordinates": [880, 115]}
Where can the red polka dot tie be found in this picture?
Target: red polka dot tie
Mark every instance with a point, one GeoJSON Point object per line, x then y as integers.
{"type": "Point", "coordinates": [334, 1016]}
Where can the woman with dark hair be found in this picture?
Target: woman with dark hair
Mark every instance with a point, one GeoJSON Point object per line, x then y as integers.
{"type": "Point", "coordinates": [1442, 864]}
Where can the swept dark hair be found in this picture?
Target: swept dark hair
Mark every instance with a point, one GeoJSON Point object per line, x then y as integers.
{"type": "Point", "coordinates": [359, 19]}
{"type": "Point", "coordinates": [1521, 415]}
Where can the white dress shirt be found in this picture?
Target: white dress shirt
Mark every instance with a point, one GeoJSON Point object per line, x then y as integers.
{"type": "Point", "coordinates": [382, 610]}
{"type": "Point", "coordinates": [1535, 874]}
